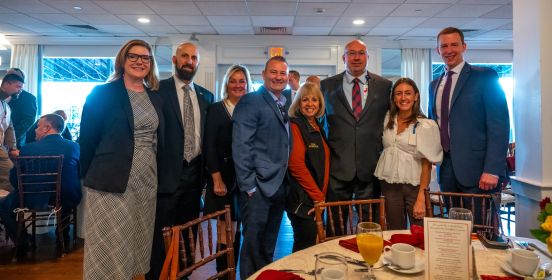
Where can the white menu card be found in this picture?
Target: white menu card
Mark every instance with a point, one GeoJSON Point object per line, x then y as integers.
{"type": "Point", "coordinates": [447, 249]}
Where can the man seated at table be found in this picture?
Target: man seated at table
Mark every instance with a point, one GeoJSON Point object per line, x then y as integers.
{"type": "Point", "coordinates": [49, 143]}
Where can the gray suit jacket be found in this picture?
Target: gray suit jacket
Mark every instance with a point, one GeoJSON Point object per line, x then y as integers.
{"type": "Point", "coordinates": [260, 143]}
{"type": "Point", "coordinates": [355, 146]}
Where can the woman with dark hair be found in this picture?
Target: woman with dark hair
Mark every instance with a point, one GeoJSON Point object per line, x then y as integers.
{"type": "Point", "coordinates": [217, 145]}
{"type": "Point", "coordinates": [309, 164]}
{"type": "Point", "coordinates": [411, 144]}
{"type": "Point", "coordinates": [121, 128]}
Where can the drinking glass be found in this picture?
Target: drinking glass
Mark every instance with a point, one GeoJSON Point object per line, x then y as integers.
{"type": "Point", "coordinates": [370, 244]}
{"type": "Point", "coordinates": [330, 266]}
{"type": "Point", "coordinates": [461, 214]}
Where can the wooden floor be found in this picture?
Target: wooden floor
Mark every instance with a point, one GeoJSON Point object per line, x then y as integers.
{"type": "Point", "coordinates": [43, 263]}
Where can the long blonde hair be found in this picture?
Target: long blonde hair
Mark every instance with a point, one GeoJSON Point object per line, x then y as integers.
{"type": "Point", "coordinates": [152, 78]}
{"type": "Point", "coordinates": [233, 69]}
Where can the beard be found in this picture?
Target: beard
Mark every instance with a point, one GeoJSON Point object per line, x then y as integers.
{"type": "Point", "coordinates": [184, 73]}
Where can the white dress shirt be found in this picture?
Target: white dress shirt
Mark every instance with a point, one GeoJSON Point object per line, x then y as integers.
{"type": "Point", "coordinates": [441, 87]}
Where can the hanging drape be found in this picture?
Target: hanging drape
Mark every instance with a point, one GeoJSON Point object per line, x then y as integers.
{"type": "Point", "coordinates": [27, 58]}
{"type": "Point", "coordinates": [416, 64]}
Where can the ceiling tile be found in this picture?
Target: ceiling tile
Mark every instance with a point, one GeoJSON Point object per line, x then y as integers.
{"type": "Point", "coordinates": [59, 19]}
{"type": "Point", "coordinates": [495, 35]}
{"type": "Point", "coordinates": [272, 21]}
{"type": "Point", "coordinates": [325, 1]}
{"type": "Point", "coordinates": [467, 10]}
{"type": "Point", "coordinates": [223, 8]}
{"type": "Point", "coordinates": [312, 31]}
{"type": "Point", "coordinates": [87, 7]}
{"type": "Point", "coordinates": [173, 8]}
{"type": "Point", "coordinates": [485, 23]}
{"type": "Point", "coordinates": [418, 10]}
{"type": "Point", "coordinates": [119, 29]}
{"type": "Point", "coordinates": [19, 19]}
{"type": "Point", "coordinates": [200, 29]}
{"type": "Point", "coordinates": [423, 32]}
{"type": "Point", "coordinates": [5, 10]}
{"type": "Point", "coordinates": [485, 2]}
{"type": "Point", "coordinates": [383, 31]}
{"type": "Point", "coordinates": [125, 7]}
{"type": "Point", "coordinates": [100, 19]}
{"type": "Point", "coordinates": [229, 20]}
{"type": "Point", "coordinates": [29, 6]}
{"type": "Point", "coordinates": [272, 8]}
{"type": "Point", "coordinates": [379, 1]}
{"type": "Point", "coordinates": [502, 12]}
{"type": "Point", "coordinates": [368, 21]}
{"type": "Point", "coordinates": [234, 30]}
{"type": "Point", "coordinates": [41, 27]}
{"type": "Point", "coordinates": [368, 10]}
{"type": "Point", "coordinates": [349, 31]}
{"type": "Point", "coordinates": [330, 9]}
{"type": "Point", "coordinates": [157, 30]}
{"type": "Point", "coordinates": [10, 29]}
{"type": "Point", "coordinates": [187, 20]}
{"type": "Point", "coordinates": [443, 22]}
{"type": "Point", "coordinates": [430, 1]}
{"type": "Point", "coordinates": [315, 21]}
{"type": "Point", "coordinates": [401, 21]}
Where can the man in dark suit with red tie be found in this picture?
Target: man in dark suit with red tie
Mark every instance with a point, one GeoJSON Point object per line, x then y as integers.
{"type": "Point", "coordinates": [180, 158]}
{"type": "Point", "coordinates": [470, 107]}
{"type": "Point", "coordinates": [356, 103]}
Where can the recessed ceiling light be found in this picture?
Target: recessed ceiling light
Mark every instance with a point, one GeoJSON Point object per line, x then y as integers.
{"type": "Point", "coordinates": [418, 10]}
{"type": "Point", "coordinates": [78, 8]}
{"type": "Point", "coordinates": [358, 22]}
{"type": "Point", "coordinates": [144, 20]}
{"type": "Point", "coordinates": [319, 11]}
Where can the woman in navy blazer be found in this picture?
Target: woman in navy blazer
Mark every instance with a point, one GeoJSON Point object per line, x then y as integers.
{"type": "Point", "coordinates": [121, 127]}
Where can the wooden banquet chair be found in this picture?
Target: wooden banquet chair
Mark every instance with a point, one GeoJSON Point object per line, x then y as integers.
{"type": "Point", "coordinates": [177, 265]}
{"type": "Point", "coordinates": [349, 214]}
{"type": "Point", "coordinates": [487, 222]}
{"type": "Point", "coordinates": [39, 187]}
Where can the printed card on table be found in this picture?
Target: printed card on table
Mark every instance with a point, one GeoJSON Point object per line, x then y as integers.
{"type": "Point", "coordinates": [447, 249]}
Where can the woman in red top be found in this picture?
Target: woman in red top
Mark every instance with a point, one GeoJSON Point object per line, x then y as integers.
{"type": "Point", "coordinates": [309, 164]}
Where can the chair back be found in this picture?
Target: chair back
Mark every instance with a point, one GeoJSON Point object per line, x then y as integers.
{"type": "Point", "coordinates": [177, 265]}
{"type": "Point", "coordinates": [482, 206]}
{"type": "Point", "coordinates": [39, 182]}
{"type": "Point", "coordinates": [343, 216]}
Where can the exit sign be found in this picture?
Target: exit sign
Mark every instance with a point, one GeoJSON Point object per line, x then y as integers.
{"type": "Point", "coordinates": [276, 51]}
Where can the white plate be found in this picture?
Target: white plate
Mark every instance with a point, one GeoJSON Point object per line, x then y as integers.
{"type": "Point", "coordinates": [419, 265]}
{"type": "Point", "coordinates": [506, 265]}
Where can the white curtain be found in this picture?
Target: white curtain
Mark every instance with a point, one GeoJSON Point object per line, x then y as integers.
{"type": "Point", "coordinates": [416, 64]}
{"type": "Point", "coordinates": [27, 58]}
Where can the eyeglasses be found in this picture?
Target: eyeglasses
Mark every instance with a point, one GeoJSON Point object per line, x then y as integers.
{"type": "Point", "coordinates": [132, 57]}
{"type": "Point", "coordinates": [354, 53]}
{"type": "Point", "coordinates": [283, 112]}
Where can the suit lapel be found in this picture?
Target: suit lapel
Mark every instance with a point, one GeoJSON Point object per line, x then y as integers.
{"type": "Point", "coordinates": [371, 94]}
{"type": "Point", "coordinates": [268, 98]}
{"type": "Point", "coordinates": [122, 94]}
{"type": "Point", "coordinates": [462, 78]}
{"type": "Point", "coordinates": [202, 106]}
{"type": "Point", "coordinates": [434, 97]}
{"type": "Point", "coordinates": [174, 102]}
{"type": "Point", "coordinates": [341, 94]}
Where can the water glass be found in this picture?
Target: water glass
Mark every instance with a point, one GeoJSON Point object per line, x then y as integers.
{"type": "Point", "coordinates": [461, 214]}
{"type": "Point", "coordinates": [330, 266]}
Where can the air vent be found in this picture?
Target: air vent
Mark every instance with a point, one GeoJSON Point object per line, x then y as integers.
{"type": "Point", "coordinates": [82, 28]}
{"type": "Point", "coordinates": [265, 30]}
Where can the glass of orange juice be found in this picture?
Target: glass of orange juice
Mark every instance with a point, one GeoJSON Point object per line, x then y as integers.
{"type": "Point", "coordinates": [370, 244]}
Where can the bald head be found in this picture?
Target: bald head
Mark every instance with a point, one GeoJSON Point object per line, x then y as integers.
{"type": "Point", "coordinates": [313, 79]}
{"type": "Point", "coordinates": [355, 57]}
{"type": "Point", "coordinates": [186, 61]}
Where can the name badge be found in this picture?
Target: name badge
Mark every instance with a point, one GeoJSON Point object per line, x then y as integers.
{"type": "Point", "coordinates": [365, 90]}
{"type": "Point", "coordinates": [412, 140]}
{"type": "Point", "coordinates": [313, 146]}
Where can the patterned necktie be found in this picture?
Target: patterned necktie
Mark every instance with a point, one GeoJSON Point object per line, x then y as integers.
{"type": "Point", "coordinates": [189, 127]}
{"type": "Point", "coordinates": [357, 100]}
{"type": "Point", "coordinates": [444, 128]}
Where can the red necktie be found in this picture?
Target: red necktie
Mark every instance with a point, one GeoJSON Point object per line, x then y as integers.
{"type": "Point", "coordinates": [357, 100]}
{"type": "Point", "coordinates": [444, 128]}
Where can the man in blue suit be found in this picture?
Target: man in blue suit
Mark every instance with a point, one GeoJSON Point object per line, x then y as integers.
{"type": "Point", "coordinates": [49, 143]}
{"type": "Point", "coordinates": [470, 107]}
{"type": "Point", "coordinates": [260, 148]}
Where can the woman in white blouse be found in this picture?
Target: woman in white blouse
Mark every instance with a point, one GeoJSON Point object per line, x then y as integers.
{"type": "Point", "coordinates": [411, 145]}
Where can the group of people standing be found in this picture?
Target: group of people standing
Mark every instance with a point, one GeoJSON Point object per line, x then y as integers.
{"type": "Point", "coordinates": [355, 135]}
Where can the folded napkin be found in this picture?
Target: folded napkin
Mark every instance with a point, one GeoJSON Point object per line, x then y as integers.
{"type": "Point", "coordinates": [415, 238]}
{"type": "Point", "coordinates": [494, 277]}
{"type": "Point", "coordinates": [271, 274]}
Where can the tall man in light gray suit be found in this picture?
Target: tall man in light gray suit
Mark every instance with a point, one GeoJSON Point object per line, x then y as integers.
{"type": "Point", "coordinates": [470, 107]}
{"type": "Point", "coordinates": [356, 103]}
{"type": "Point", "coordinates": [260, 148]}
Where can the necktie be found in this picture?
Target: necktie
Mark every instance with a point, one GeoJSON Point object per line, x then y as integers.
{"type": "Point", "coordinates": [444, 128]}
{"type": "Point", "coordinates": [357, 100]}
{"type": "Point", "coordinates": [189, 127]}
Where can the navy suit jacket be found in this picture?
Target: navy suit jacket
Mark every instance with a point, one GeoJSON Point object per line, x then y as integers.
{"type": "Point", "coordinates": [260, 143]}
{"type": "Point", "coordinates": [479, 124]}
{"type": "Point", "coordinates": [171, 155]}
{"type": "Point", "coordinates": [54, 145]}
{"type": "Point", "coordinates": [107, 136]}
{"type": "Point", "coordinates": [23, 114]}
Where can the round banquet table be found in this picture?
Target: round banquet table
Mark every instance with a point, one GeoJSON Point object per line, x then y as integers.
{"type": "Point", "coordinates": [487, 261]}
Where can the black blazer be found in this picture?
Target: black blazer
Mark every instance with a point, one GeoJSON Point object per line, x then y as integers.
{"type": "Point", "coordinates": [170, 155]}
{"type": "Point", "coordinates": [107, 136]}
{"type": "Point", "coordinates": [23, 114]}
{"type": "Point", "coordinates": [355, 146]}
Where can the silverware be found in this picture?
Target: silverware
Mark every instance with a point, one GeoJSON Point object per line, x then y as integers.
{"type": "Point", "coordinates": [524, 245]}
{"type": "Point", "coordinates": [544, 252]}
{"type": "Point", "coordinates": [390, 265]}
{"type": "Point", "coordinates": [310, 272]}
{"type": "Point", "coordinates": [350, 260]}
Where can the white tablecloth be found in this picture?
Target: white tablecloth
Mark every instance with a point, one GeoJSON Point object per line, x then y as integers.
{"type": "Point", "coordinates": [485, 263]}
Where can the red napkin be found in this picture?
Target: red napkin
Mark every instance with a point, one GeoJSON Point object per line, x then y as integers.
{"type": "Point", "coordinates": [415, 238]}
{"type": "Point", "coordinates": [271, 274]}
{"type": "Point", "coordinates": [493, 277]}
